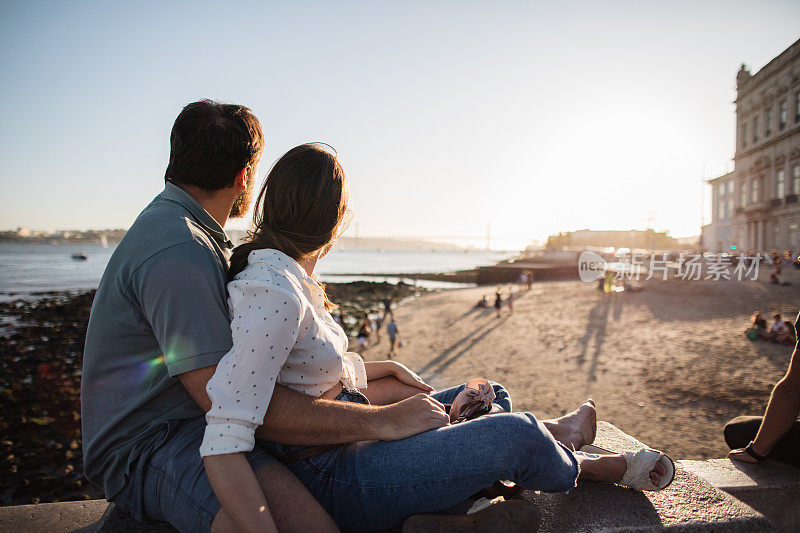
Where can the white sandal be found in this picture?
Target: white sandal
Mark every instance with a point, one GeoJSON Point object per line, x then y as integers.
{"type": "Point", "coordinates": [640, 464]}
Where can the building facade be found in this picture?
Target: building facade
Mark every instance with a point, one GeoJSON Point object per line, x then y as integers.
{"type": "Point", "coordinates": [755, 208]}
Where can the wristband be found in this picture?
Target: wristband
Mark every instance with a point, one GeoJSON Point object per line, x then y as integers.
{"type": "Point", "coordinates": [752, 453]}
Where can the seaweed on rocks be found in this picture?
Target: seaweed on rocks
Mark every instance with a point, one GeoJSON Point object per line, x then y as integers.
{"type": "Point", "coordinates": [40, 400]}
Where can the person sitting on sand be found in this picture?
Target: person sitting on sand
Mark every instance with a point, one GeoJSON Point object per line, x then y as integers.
{"type": "Point", "coordinates": [283, 333]}
{"type": "Point", "coordinates": [483, 302]}
{"type": "Point", "coordinates": [778, 328]}
{"type": "Point", "coordinates": [758, 327]}
{"type": "Point", "coordinates": [786, 335]}
{"type": "Point", "coordinates": [777, 434]}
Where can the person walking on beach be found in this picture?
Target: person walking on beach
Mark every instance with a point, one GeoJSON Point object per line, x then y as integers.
{"type": "Point", "coordinates": [387, 307]}
{"type": "Point", "coordinates": [498, 300]}
{"type": "Point", "coordinates": [283, 333]}
{"type": "Point", "coordinates": [377, 324]}
{"type": "Point", "coordinates": [391, 330]}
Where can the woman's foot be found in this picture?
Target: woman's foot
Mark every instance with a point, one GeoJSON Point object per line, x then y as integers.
{"type": "Point", "coordinates": [611, 468]}
{"type": "Point", "coordinates": [576, 429]}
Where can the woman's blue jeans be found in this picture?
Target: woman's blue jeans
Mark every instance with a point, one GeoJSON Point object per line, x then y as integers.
{"type": "Point", "coordinates": [375, 485]}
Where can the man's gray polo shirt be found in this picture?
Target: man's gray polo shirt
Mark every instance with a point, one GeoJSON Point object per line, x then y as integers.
{"type": "Point", "coordinates": [160, 310]}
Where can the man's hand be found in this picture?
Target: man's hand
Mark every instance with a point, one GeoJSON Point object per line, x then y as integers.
{"type": "Point", "coordinates": [411, 416]}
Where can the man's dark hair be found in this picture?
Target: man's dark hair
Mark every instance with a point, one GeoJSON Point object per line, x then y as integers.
{"type": "Point", "coordinates": [211, 142]}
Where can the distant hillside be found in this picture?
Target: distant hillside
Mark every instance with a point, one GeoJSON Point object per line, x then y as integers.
{"type": "Point", "coordinates": [236, 235]}
{"type": "Point", "coordinates": [372, 242]}
{"type": "Point", "coordinates": [395, 244]}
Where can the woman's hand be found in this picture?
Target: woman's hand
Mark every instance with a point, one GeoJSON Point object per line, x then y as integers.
{"type": "Point", "coordinates": [381, 369]}
{"type": "Point", "coordinates": [405, 375]}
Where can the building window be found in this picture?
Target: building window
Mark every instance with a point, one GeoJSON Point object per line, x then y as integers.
{"type": "Point", "coordinates": [768, 122]}
{"type": "Point", "coordinates": [755, 129]}
{"type": "Point", "coordinates": [721, 210]}
{"type": "Point", "coordinates": [796, 179]}
{"type": "Point", "coordinates": [796, 107]}
{"type": "Point", "coordinates": [754, 191]}
{"type": "Point", "coordinates": [780, 181]}
{"type": "Point", "coordinates": [743, 193]}
{"type": "Point", "coordinates": [730, 207]}
{"type": "Point", "coordinates": [730, 187]}
{"type": "Point", "coordinates": [744, 135]}
{"type": "Point", "coordinates": [782, 116]}
{"type": "Point", "coordinates": [792, 234]}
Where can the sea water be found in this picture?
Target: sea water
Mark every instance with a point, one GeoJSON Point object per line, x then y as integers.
{"type": "Point", "coordinates": [26, 269]}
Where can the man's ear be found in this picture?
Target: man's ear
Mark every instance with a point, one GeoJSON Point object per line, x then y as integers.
{"type": "Point", "coordinates": [240, 181]}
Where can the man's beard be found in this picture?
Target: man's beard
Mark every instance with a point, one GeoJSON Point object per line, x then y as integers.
{"type": "Point", "coordinates": [242, 202]}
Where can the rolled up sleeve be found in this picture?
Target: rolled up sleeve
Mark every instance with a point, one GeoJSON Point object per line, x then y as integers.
{"type": "Point", "coordinates": [265, 324]}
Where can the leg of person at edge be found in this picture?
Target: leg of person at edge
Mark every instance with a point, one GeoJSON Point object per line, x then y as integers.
{"type": "Point", "coordinates": [777, 434]}
{"type": "Point", "coordinates": [406, 457]}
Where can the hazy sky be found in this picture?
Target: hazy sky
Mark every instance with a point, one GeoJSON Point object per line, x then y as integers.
{"type": "Point", "coordinates": [446, 115]}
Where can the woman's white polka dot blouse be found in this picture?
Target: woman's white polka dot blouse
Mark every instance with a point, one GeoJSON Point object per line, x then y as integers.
{"type": "Point", "coordinates": [281, 333]}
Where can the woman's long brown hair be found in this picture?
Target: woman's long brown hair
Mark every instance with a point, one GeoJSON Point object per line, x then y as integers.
{"type": "Point", "coordinates": [300, 208]}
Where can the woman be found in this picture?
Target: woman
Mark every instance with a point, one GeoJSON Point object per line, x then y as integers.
{"type": "Point", "coordinates": [283, 332]}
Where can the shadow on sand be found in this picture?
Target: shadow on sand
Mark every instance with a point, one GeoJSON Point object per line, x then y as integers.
{"type": "Point", "coordinates": [595, 333]}
{"type": "Point", "coordinates": [459, 348]}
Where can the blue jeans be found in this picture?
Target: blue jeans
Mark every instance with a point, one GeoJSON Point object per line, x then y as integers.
{"type": "Point", "coordinates": [168, 482]}
{"type": "Point", "coordinates": [373, 485]}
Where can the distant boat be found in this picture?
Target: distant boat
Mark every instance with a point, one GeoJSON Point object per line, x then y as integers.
{"type": "Point", "coordinates": [80, 256]}
{"type": "Point", "coordinates": [104, 240]}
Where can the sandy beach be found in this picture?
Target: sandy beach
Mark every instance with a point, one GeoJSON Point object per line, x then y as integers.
{"type": "Point", "coordinates": [669, 364]}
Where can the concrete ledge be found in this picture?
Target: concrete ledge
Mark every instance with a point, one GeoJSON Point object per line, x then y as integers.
{"type": "Point", "coordinates": [52, 517]}
{"type": "Point", "coordinates": [690, 504]}
{"type": "Point", "coordinates": [771, 487]}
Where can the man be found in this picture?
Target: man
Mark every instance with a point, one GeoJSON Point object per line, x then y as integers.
{"type": "Point", "coordinates": [158, 327]}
